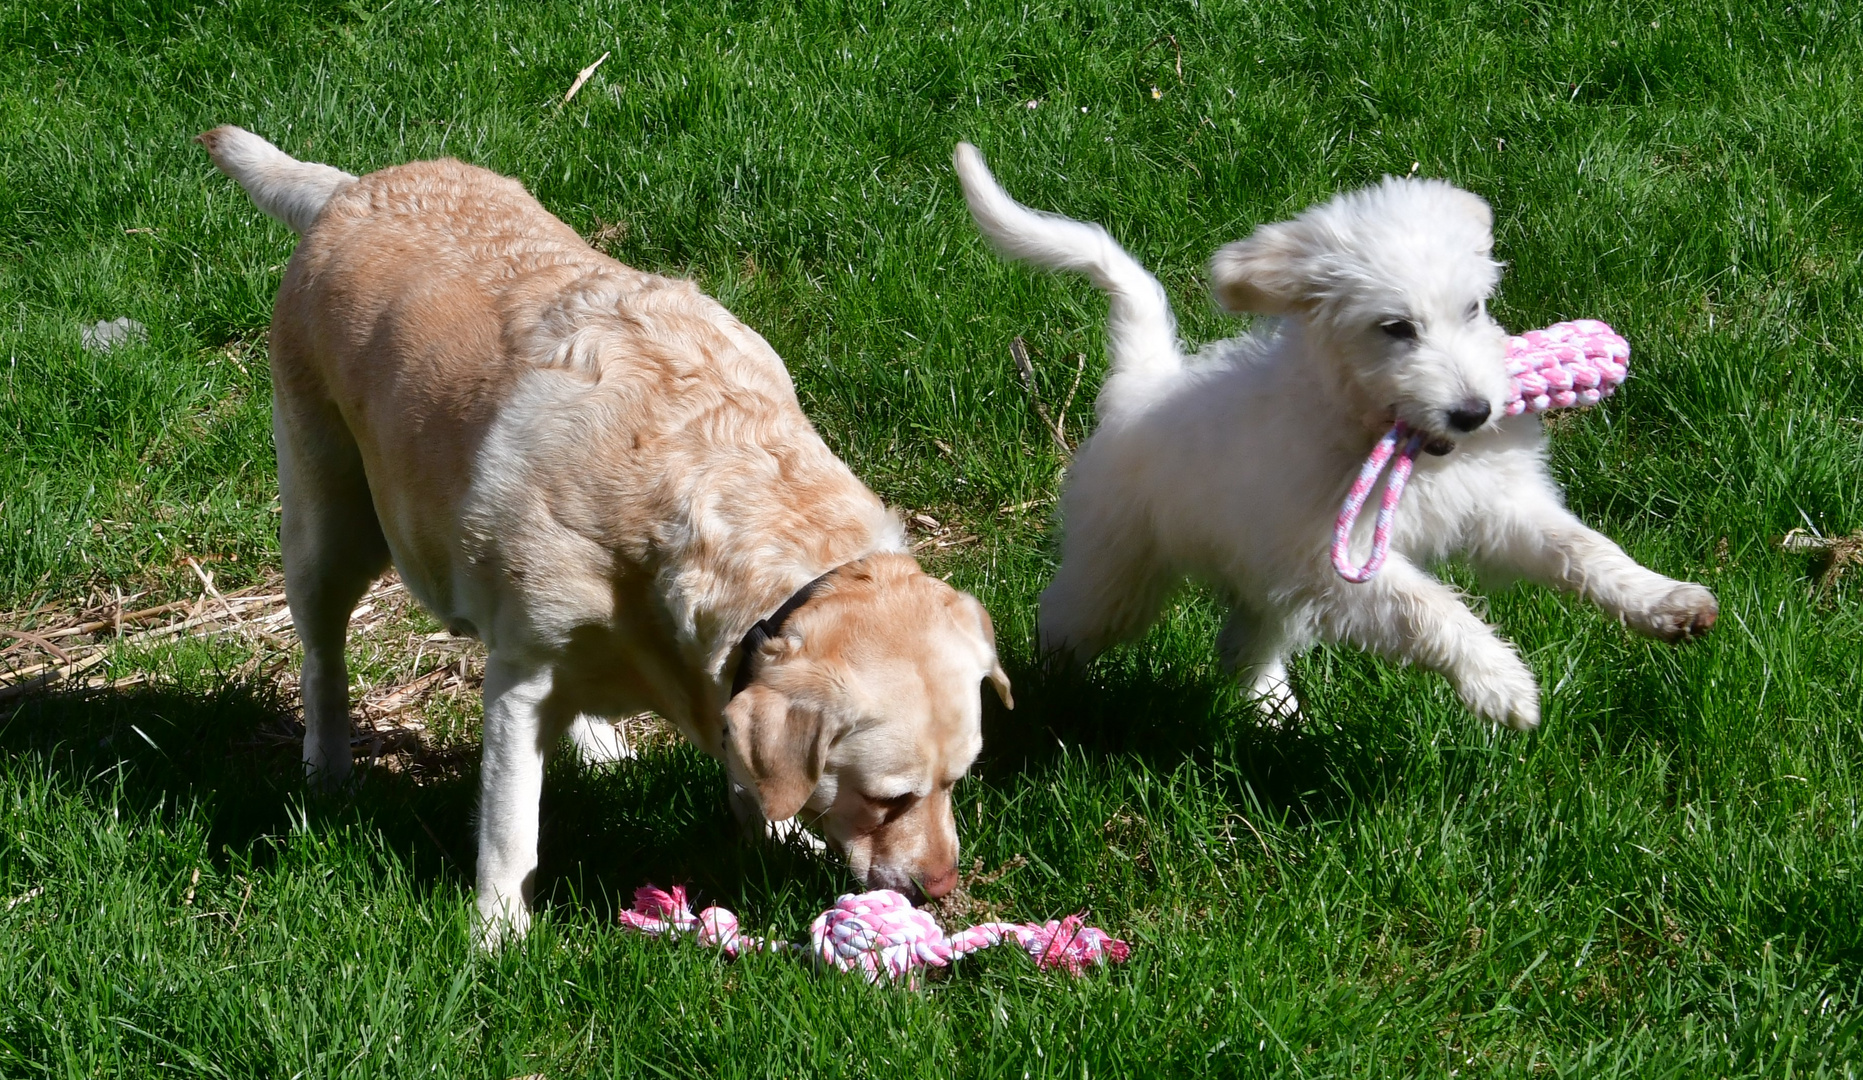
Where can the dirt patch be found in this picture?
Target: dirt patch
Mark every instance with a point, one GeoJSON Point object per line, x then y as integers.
{"type": "Point", "coordinates": [960, 907]}
{"type": "Point", "coordinates": [1834, 554]}
{"type": "Point", "coordinates": [414, 694]}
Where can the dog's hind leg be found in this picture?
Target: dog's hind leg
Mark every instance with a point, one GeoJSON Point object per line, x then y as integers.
{"type": "Point", "coordinates": [1254, 647]}
{"type": "Point", "coordinates": [1533, 536]}
{"type": "Point", "coordinates": [1103, 594]}
{"type": "Point", "coordinates": [333, 548]}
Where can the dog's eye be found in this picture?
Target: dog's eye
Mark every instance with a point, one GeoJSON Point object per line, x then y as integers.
{"type": "Point", "coordinates": [896, 805]}
{"type": "Point", "coordinates": [1473, 312]}
{"type": "Point", "coordinates": [1401, 329]}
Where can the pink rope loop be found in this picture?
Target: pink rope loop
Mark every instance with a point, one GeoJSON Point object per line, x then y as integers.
{"type": "Point", "coordinates": [1387, 509]}
{"type": "Point", "coordinates": [1566, 365]}
{"type": "Point", "coordinates": [658, 912]}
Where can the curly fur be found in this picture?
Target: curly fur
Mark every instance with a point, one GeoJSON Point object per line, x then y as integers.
{"type": "Point", "coordinates": [1229, 466]}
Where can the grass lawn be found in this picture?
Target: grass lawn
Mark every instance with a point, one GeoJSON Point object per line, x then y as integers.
{"type": "Point", "coordinates": [1663, 881]}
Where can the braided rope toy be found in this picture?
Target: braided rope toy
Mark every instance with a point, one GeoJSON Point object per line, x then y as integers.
{"type": "Point", "coordinates": [1567, 365]}
{"type": "Point", "coordinates": [880, 934]}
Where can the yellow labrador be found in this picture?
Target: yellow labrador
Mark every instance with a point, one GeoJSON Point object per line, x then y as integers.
{"type": "Point", "coordinates": [607, 478]}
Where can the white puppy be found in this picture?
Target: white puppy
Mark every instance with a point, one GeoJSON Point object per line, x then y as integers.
{"type": "Point", "coordinates": [608, 479]}
{"type": "Point", "coordinates": [1230, 467]}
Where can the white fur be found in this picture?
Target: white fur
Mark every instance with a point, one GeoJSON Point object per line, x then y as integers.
{"type": "Point", "coordinates": [599, 742]}
{"type": "Point", "coordinates": [1230, 466]}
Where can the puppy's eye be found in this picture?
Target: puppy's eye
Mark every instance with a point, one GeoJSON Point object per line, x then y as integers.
{"type": "Point", "coordinates": [1473, 312]}
{"type": "Point", "coordinates": [1400, 329]}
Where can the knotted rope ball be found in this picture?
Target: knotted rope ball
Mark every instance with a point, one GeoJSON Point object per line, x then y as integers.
{"type": "Point", "coordinates": [881, 932]}
{"type": "Point", "coordinates": [881, 935]}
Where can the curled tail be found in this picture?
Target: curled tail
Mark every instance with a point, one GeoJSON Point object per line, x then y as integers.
{"type": "Point", "coordinates": [1142, 331]}
{"type": "Point", "coordinates": [290, 190]}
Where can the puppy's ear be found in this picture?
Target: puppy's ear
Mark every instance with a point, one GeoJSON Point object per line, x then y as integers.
{"type": "Point", "coordinates": [997, 676]}
{"type": "Point", "coordinates": [779, 748]}
{"type": "Point", "coordinates": [1266, 274]}
{"type": "Point", "coordinates": [1477, 210]}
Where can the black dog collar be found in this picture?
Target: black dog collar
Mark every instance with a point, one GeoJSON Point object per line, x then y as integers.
{"type": "Point", "coordinates": [765, 629]}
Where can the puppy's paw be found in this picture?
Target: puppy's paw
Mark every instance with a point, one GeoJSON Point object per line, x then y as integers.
{"type": "Point", "coordinates": [1507, 694]}
{"type": "Point", "coordinates": [1279, 706]}
{"type": "Point", "coordinates": [1686, 611]}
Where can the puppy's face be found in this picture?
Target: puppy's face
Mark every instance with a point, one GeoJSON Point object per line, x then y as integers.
{"type": "Point", "coordinates": [1392, 282]}
{"type": "Point", "coordinates": [864, 713]}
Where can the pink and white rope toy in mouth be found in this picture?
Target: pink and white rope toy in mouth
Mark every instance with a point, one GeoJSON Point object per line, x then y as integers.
{"type": "Point", "coordinates": [881, 935]}
{"type": "Point", "coordinates": [1567, 365]}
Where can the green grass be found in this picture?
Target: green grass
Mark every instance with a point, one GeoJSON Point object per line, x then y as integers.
{"type": "Point", "coordinates": [1664, 881]}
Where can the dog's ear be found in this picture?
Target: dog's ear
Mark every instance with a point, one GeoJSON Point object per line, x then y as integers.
{"type": "Point", "coordinates": [1266, 274]}
{"type": "Point", "coordinates": [999, 679]}
{"type": "Point", "coordinates": [779, 747]}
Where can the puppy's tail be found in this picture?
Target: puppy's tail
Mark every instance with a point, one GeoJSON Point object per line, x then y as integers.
{"type": "Point", "coordinates": [290, 190]}
{"type": "Point", "coordinates": [1142, 330]}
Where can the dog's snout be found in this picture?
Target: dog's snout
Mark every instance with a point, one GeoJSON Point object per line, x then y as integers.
{"type": "Point", "coordinates": [1469, 415]}
{"type": "Point", "coordinates": [938, 885]}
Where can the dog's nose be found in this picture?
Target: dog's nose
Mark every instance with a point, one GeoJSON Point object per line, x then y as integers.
{"type": "Point", "coordinates": [937, 885]}
{"type": "Point", "coordinates": [1469, 415]}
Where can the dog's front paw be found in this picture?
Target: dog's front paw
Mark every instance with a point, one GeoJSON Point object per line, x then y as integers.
{"type": "Point", "coordinates": [599, 742]}
{"type": "Point", "coordinates": [1684, 612]}
{"type": "Point", "coordinates": [501, 920]}
{"type": "Point", "coordinates": [1506, 695]}
{"type": "Point", "coordinates": [789, 830]}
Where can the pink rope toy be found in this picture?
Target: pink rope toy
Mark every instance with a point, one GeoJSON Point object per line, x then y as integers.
{"type": "Point", "coordinates": [881, 935]}
{"type": "Point", "coordinates": [1566, 365]}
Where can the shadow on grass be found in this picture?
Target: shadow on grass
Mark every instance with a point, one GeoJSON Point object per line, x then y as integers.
{"type": "Point", "coordinates": [232, 751]}
{"type": "Point", "coordinates": [1139, 706]}
{"type": "Point", "coordinates": [232, 748]}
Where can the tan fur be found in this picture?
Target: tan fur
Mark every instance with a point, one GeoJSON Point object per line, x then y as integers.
{"type": "Point", "coordinates": [608, 478]}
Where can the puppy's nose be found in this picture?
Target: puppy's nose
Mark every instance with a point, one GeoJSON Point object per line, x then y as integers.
{"type": "Point", "coordinates": [937, 885]}
{"type": "Point", "coordinates": [1469, 415]}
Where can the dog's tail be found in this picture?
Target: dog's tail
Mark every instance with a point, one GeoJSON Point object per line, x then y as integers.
{"type": "Point", "coordinates": [290, 190]}
{"type": "Point", "coordinates": [1142, 330]}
